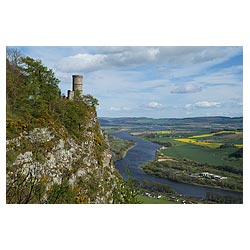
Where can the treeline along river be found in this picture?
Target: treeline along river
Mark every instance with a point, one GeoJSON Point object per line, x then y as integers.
{"type": "Point", "coordinates": [145, 151]}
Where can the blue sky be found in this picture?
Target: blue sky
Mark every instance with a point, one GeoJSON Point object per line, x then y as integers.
{"type": "Point", "coordinates": [152, 81]}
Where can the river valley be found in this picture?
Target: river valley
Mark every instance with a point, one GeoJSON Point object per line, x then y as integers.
{"type": "Point", "coordinates": [145, 151]}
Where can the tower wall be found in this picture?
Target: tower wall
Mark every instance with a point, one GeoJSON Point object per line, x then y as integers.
{"type": "Point", "coordinates": [77, 83]}
{"type": "Point", "coordinates": [70, 94]}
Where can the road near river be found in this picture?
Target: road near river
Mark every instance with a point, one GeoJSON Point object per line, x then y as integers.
{"type": "Point", "coordinates": [145, 151]}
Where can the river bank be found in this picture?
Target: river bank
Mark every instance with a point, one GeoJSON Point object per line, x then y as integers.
{"type": "Point", "coordinates": [143, 152]}
{"type": "Point", "coordinates": [119, 147]}
{"type": "Point", "coordinates": [191, 172]}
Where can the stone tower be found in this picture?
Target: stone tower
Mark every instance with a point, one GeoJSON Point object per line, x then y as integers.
{"type": "Point", "coordinates": [76, 86]}
{"type": "Point", "coordinates": [77, 83]}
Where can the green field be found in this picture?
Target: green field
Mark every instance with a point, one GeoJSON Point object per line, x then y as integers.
{"type": "Point", "coordinates": [149, 200]}
{"type": "Point", "coordinates": [213, 156]}
{"type": "Point", "coordinates": [210, 148]}
{"type": "Point", "coordinates": [184, 158]}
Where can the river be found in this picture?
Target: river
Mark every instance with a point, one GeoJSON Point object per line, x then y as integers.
{"type": "Point", "coordinates": [144, 151]}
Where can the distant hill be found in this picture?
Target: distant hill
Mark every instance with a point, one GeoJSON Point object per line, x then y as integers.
{"type": "Point", "coordinates": [235, 122]}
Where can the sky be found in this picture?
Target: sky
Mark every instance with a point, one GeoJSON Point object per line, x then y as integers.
{"type": "Point", "coordinates": [155, 81]}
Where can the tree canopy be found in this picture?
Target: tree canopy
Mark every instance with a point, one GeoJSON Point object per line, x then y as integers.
{"type": "Point", "coordinates": [33, 96]}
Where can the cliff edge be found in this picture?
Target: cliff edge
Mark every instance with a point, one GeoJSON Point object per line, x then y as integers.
{"type": "Point", "coordinates": [56, 151]}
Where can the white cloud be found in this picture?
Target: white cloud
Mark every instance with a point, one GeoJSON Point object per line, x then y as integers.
{"type": "Point", "coordinates": [154, 105]}
{"type": "Point", "coordinates": [108, 57]}
{"type": "Point", "coordinates": [133, 56]}
{"type": "Point", "coordinates": [206, 104]}
{"type": "Point", "coordinates": [153, 52]}
{"type": "Point", "coordinates": [188, 106]}
{"type": "Point", "coordinates": [119, 109]}
{"type": "Point", "coordinates": [111, 49]}
{"type": "Point", "coordinates": [82, 63]}
{"type": "Point", "coordinates": [203, 104]}
{"type": "Point", "coordinates": [198, 54]}
{"type": "Point", "coordinates": [187, 88]}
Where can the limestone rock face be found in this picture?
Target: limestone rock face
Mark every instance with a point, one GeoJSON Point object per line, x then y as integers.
{"type": "Point", "coordinates": [46, 165]}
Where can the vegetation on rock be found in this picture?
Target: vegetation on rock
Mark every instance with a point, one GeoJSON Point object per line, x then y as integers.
{"type": "Point", "coordinates": [56, 151]}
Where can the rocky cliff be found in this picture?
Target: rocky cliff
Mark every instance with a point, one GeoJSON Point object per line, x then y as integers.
{"type": "Point", "coordinates": [47, 165]}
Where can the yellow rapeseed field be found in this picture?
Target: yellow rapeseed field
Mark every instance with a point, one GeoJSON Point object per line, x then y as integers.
{"type": "Point", "coordinates": [238, 133]}
{"type": "Point", "coordinates": [201, 136]}
{"type": "Point", "coordinates": [200, 143]}
{"type": "Point", "coordinates": [217, 133]}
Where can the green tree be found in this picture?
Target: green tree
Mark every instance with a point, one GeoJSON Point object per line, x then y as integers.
{"type": "Point", "coordinates": [14, 80]}
{"type": "Point", "coordinates": [41, 86]}
{"type": "Point", "coordinates": [90, 100]}
{"type": "Point", "coordinates": [32, 88]}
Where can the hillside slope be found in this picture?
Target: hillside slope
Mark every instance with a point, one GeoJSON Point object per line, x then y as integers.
{"type": "Point", "coordinates": [55, 149]}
